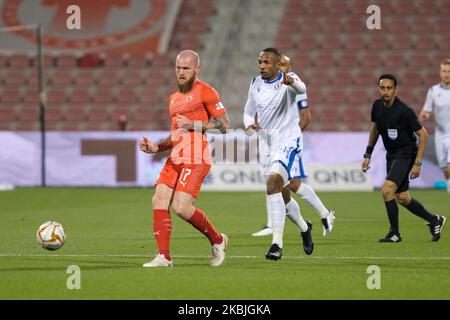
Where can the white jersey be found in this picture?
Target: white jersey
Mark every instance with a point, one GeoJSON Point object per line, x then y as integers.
{"type": "Point", "coordinates": [438, 100]}
{"type": "Point", "coordinates": [276, 105]}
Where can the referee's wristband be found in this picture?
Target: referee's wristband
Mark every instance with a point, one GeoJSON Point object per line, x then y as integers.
{"type": "Point", "coordinates": [369, 151]}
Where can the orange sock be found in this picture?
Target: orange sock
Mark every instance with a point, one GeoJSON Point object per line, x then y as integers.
{"type": "Point", "coordinates": [162, 228]}
{"type": "Point", "coordinates": [201, 222]}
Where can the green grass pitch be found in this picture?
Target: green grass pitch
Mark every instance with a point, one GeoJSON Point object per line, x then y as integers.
{"type": "Point", "coordinates": [110, 237]}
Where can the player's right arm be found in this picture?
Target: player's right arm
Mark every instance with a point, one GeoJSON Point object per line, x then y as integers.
{"type": "Point", "coordinates": [373, 137]}
{"type": "Point", "coordinates": [249, 117]}
{"type": "Point", "coordinates": [147, 146]}
{"type": "Point", "coordinates": [425, 113]}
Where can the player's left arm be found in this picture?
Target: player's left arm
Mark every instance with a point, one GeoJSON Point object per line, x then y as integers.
{"type": "Point", "coordinates": [413, 122]}
{"type": "Point", "coordinates": [305, 118]}
{"type": "Point", "coordinates": [294, 82]}
{"type": "Point", "coordinates": [221, 123]}
{"type": "Point", "coordinates": [423, 137]}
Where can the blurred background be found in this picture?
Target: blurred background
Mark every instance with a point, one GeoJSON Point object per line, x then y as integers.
{"type": "Point", "coordinates": [115, 74]}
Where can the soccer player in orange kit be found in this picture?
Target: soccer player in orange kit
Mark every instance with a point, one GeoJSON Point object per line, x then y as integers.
{"type": "Point", "coordinates": [194, 109]}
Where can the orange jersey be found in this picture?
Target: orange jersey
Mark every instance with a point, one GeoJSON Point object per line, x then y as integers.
{"type": "Point", "coordinates": [200, 104]}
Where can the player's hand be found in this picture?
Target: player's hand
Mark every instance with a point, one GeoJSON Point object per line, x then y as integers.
{"type": "Point", "coordinates": [184, 123]}
{"type": "Point", "coordinates": [147, 146]}
{"type": "Point", "coordinates": [415, 172]}
{"type": "Point", "coordinates": [287, 80]}
{"type": "Point", "coordinates": [365, 165]}
{"type": "Point", "coordinates": [424, 115]}
{"type": "Point", "coordinates": [250, 130]}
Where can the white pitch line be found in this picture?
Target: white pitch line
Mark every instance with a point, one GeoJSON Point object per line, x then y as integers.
{"type": "Point", "coordinates": [231, 257]}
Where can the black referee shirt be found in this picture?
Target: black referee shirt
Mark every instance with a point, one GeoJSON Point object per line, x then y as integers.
{"type": "Point", "coordinates": [396, 125]}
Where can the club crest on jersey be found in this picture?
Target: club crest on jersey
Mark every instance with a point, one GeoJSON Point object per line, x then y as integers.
{"type": "Point", "coordinates": [392, 134]}
{"type": "Point", "coordinates": [219, 106]}
{"type": "Point", "coordinates": [277, 86]}
{"type": "Point", "coordinates": [189, 98]}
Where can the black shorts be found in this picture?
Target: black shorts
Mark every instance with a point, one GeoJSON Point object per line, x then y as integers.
{"type": "Point", "coordinates": [398, 171]}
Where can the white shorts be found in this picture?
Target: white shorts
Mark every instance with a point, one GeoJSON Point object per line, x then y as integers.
{"type": "Point", "coordinates": [286, 160]}
{"type": "Point", "coordinates": [442, 146]}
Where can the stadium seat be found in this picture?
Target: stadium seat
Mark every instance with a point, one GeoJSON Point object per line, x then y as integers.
{"type": "Point", "coordinates": [371, 61]}
{"type": "Point", "coordinates": [348, 60]}
{"type": "Point", "coordinates": [125, 96]}
{"type": "Point", "coordinates": [53, 114]}
{"type": "Point", "coordinates": [307, 43]}
{"type": "Point", "coordinates": [335, 97]}
{"type": "Point", "coordinates": [394, 62]}
{"type": "Point", "coordinates": [366, 79]}
{"type": "Point", "coordinates": [331, 43]}
{"type": "Point", "coordinates": [73, 115]}
{"type": "Point", "coordinates": [29, 114]}
{"type": "Point", "coordinates": [85, 79]}
{"type": "Point", "coordinates": [102, 96]}
{"type": "Point", "coordinates": [61, 78]}
{"type": "Point", "coordinates": [425, 44]}
{"type": "Point", "coordinates": [79, 96]}
{"type": "Point", "coordinates": [332, 24]}
{"type": "Point", "coordinates": [3, 60]}
{"type": "Point", "coordinates": [55, 97]}
{"type": "Point", "coordinates": [66, 61]}
{"type": "Point", "coordinates": [404, 9]}
{"type": "Point", "coordinates": [400, 43]}
{"type": "Point", "coordinates": [108, 78]}
{"type": "Point", "coordinates": [411, 79]}
{"type": "Point", "coordinates": [396, 25]}
{"type": "Point", "coordinates": [427, 8]}
{"type": "Point", "coordinates": [140, 60]}
{"type": "Point", "coordinates": [14, 79]}
{"type": "Point", "coordinates": [418, 61]}
{"type": "Point", "coordinates": [316, 8]}
{"type": "Point", "coordinates": [131, 79]}
{"type": "Point", "coordinates": [10, 97]}
{"type": "Point", "coordinates": [7, 115]}
{"type": "Point", "coordinates": [113, 60]}
{"type": "Point", "coordinates": [420, 25]}
{"type": "Point", "coordinates": [355, 24]}
{"type": "Point", "coordinates": [354, 43]}
{"type": "Point", "coordinates": [19, 61]}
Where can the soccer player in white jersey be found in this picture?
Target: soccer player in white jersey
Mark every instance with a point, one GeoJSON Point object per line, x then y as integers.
{"type": "Point", "coordinates": [296, 185]}
{"type": "Point", "coordinates": [438, 100]}
{"type": "Point", "coordinates": [273, 97]}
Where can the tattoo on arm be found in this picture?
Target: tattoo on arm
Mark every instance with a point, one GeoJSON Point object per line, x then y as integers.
{"type": "Point", "coordinates": [220, 123]}
{"type": "Point", "coordinates": [165, 144]}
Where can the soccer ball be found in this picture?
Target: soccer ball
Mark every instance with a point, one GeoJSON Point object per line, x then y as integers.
{"type": "Point", "coordinates": [51, 235]}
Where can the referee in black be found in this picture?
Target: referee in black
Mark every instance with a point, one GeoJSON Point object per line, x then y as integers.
{"type": "Point", "coordinates": [397, 123]}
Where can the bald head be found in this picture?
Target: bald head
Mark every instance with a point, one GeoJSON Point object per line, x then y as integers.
{"type": "Point", "coordinates": [190, 56]}
{"type": "Point", "coordinates": [285, 64]}
{"type": "Point", "coordinates": [187, 66]}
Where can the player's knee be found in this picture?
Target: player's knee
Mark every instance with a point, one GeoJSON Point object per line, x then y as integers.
{"type": "Point", "coordinates": [274, 184]}
{"type": "Point", "coordinates": [286, 193]}
{"type": "Point", "coordinates": [159, 202]}
{"type": "Point", "coordinates": [180, 207]}
{"type": "Point", "coordinates": [295, 184]}
{"type": "Point", "coordinates": [403, 199]}
{"type": "Point", "coordinates": [388, 191]}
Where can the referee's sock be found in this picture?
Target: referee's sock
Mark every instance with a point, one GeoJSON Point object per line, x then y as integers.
{"type": "Point", "coordinates": [392, 211]}
{"type": "Point", "coordinates": [417, 208]}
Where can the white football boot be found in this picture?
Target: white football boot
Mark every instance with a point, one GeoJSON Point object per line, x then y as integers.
{"type": "Point", "coordinates": [327, 223]}
{"type": "Point", "coordinates": [159, 261]}
{"type": "Point", "coordinates": [218, 252]}
{"type": "Point", "coordinates": [265, 231]}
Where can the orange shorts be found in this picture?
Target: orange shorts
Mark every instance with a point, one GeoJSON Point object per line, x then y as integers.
{"type": "Point", "coordinates": [183, 177]}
